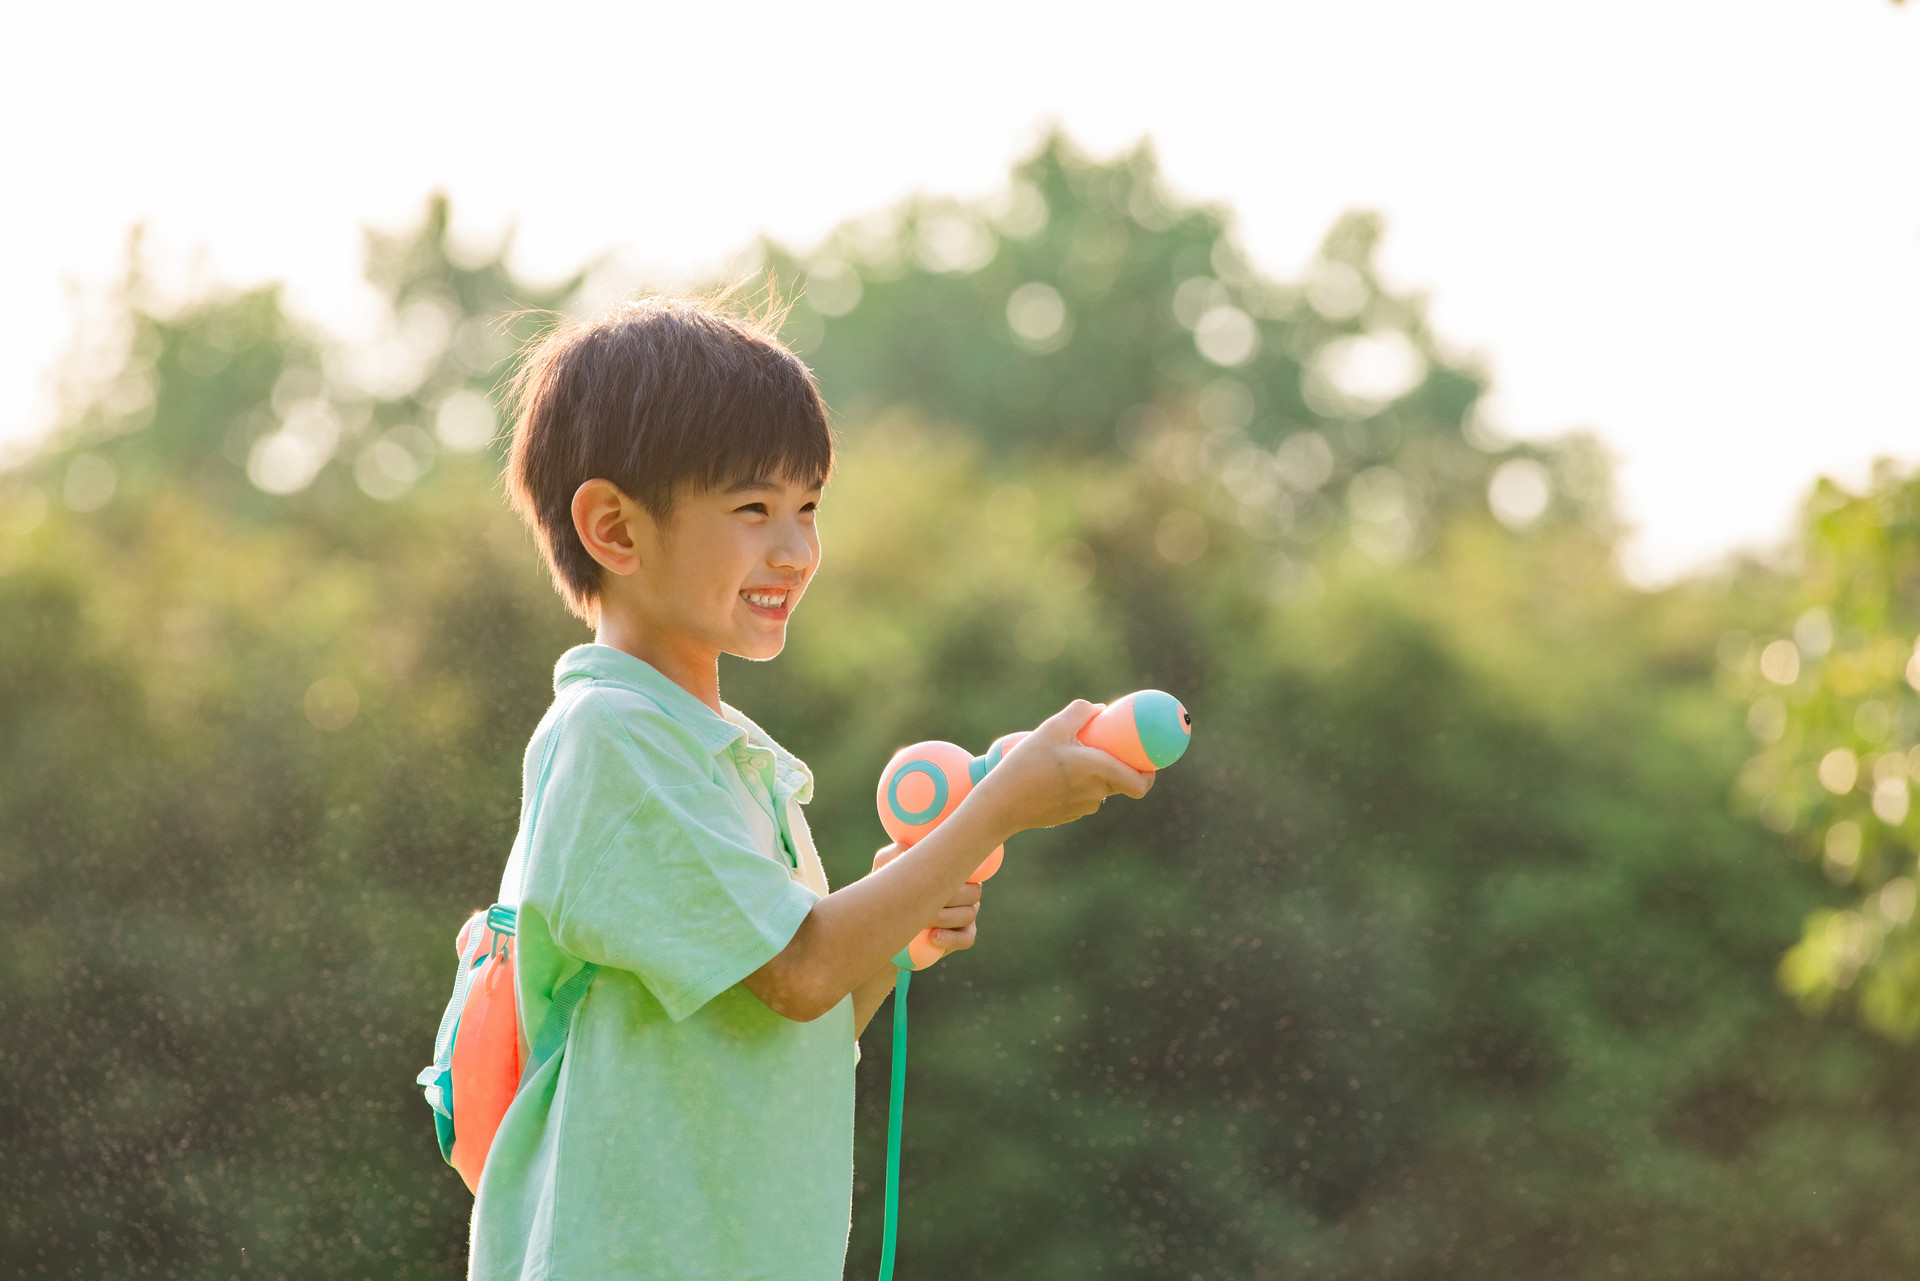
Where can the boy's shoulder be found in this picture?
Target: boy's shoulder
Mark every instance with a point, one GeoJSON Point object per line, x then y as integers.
{"type": "Point", "coordinates": [598, 719]}
{"type": "Point", "coordinates": [607, 700]}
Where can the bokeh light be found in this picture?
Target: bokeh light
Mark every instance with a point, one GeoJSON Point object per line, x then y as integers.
{"type": "Point", "coordinates": [1359, 374]}
{"type": "Point", "coordinates": [331, 703]}
{"type": "Point", "coordinates": [1519, 493]}
{"type": "Point", "coordinates": [286, 461]}
{"type": "Point", "coordinates": [465, 422]}
{"type": "Point", "coordinates": [1226, 336]}
{"type": "Point", "coordinates": [1180, 537]}
{"type": "Point", "coordinates": [1838, 770]}
{"type": "Point", "coordinates": [1780, 662]}
{"type": "Point", "coordinates": [1037, 314]}
{"type": "Point", "coordinates": [91, 481]}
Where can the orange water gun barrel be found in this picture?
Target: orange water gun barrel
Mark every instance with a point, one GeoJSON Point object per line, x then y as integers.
{"type": "Point", "coordinates": [923, 784]}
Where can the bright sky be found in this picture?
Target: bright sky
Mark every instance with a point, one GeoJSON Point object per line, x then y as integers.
{"type": "Point", "coordinates": [1692, 227]}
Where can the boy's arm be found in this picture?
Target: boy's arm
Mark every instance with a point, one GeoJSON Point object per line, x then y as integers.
{"type": "Point", "coordinates": [1050, 778]}
{"type": "Point", "coordinates": [855, 931]}
{"type": "Point", "coordinates": [870, 995]}
{"type": "Point", "coordinates": [953, 931]}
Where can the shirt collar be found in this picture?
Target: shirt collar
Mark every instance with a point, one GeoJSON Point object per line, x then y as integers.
{"type": "Point", "coordinates": [791, 774]}
{"type": "Point", "coordinates": [717, 733]}
{"type": "Point", "coordinates": [617, 667]}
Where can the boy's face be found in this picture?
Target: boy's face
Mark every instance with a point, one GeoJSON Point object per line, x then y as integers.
{"type": "Point", "coordinates": [726, 569]}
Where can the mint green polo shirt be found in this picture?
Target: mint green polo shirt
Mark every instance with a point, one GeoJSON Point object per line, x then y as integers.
{"type": "Point", "coordinates": [686, 1131]}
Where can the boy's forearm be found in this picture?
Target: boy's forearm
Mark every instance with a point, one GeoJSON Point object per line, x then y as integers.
{"type": "Point", "coordinates": [856, 930]}
{"type": "Point", "coordinates": [870, 996]}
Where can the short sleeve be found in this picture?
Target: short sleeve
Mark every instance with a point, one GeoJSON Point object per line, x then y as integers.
{"type": "Point", "coordinates": [683, 899]}
{"type": "Point", "coordinates": [676, 892]}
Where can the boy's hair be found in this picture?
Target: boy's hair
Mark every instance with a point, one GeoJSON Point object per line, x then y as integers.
{"type": "Point", "coordinates": [658, 395]}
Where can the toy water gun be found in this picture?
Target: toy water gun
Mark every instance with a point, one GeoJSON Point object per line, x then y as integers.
{"type": "Point", "coordinates": [923, 784]}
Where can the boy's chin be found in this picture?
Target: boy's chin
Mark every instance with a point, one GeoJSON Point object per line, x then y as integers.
{"type": "Point", "coordinates": [760, 651]}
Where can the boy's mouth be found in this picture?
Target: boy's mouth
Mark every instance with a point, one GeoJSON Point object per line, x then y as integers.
{"type": "Point", "coordinates": [768, 602]}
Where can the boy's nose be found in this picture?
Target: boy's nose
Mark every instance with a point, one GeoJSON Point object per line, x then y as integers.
{"type": "Point", "coordinates": [790, 552]}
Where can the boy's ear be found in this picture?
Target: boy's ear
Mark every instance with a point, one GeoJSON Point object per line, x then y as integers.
{"type": "Point", "coordinates": [606, 521]}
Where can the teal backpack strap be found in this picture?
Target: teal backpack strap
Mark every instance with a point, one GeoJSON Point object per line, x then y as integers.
{"type": "Point", "coordinates": [895, 1098]}
{"type": "Point", "coordinates": [559, 1020]}
{"type": "Point", "coordinates": [431, 1076]}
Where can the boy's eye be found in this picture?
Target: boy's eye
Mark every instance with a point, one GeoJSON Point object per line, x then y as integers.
{"type": "Point", "coordinates": [760, 509]}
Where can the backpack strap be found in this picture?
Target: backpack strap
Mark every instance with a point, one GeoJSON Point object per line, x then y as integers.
{"type": "Point", "coordinates": [559, 1021]}
{"type": "Point", "coordinates": [896, 1102]}
{"type": "Point", "coordinates": [433, 1076]}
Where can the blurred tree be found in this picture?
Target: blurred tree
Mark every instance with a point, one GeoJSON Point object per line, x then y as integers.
{"type": "Point", "coordinates": [1086, 313]}
{"type": "Point", "coordinates": [259, 734]}
{"type": "Point", "coordinates": [1832, 701]}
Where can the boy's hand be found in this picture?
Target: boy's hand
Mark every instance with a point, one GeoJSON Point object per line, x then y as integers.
{"type": "Point", "coordinates": [953, 925]}
{"type": "Point", "coordinates": [1051, 777]}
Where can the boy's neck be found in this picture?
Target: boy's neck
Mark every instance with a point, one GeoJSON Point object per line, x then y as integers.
{"type": "Point", "coordinates": [688, 664]}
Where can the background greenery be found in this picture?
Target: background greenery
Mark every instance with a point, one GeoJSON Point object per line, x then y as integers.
{"type": "Point", "coordinates": [1453, 949]}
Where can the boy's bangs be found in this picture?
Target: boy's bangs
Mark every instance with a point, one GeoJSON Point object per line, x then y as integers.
{"type": "Point", "coordinates": [796, 448]}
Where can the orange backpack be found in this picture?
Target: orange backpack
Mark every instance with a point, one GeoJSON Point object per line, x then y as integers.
{"type": "Point", "coordinates": [477, 1068]}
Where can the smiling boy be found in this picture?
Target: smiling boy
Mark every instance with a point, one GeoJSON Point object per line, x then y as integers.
{"type": "Point", "coordinates": [699, 1121]}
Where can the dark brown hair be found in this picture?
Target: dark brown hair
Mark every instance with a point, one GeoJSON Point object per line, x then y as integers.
{"type": "Point", "coordinates": [659, 395]}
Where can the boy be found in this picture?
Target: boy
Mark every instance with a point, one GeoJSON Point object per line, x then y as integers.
{"type": "Point", "coordinates": [699, 1121]}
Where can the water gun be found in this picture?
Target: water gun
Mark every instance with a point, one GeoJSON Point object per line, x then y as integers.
{"type": "Point", "coordinates": [923, 785]}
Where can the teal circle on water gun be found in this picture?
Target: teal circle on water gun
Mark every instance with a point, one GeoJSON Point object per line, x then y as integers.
{"type": "Point", "coordinates": [934, 806]}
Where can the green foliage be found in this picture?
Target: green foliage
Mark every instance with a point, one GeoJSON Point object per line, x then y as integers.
{"type": "Point", "coordinates": [1085, 314]}
{"type": "Point", "coordinates": [1834, 705]}
{"type": "Point", "coordinates": [226, 926]}
{"type": "Point", "coordinates": [1441, 955]}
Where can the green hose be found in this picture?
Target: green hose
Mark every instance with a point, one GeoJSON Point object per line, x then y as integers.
{"type": "Point", "coordinates": [894, 1101]}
